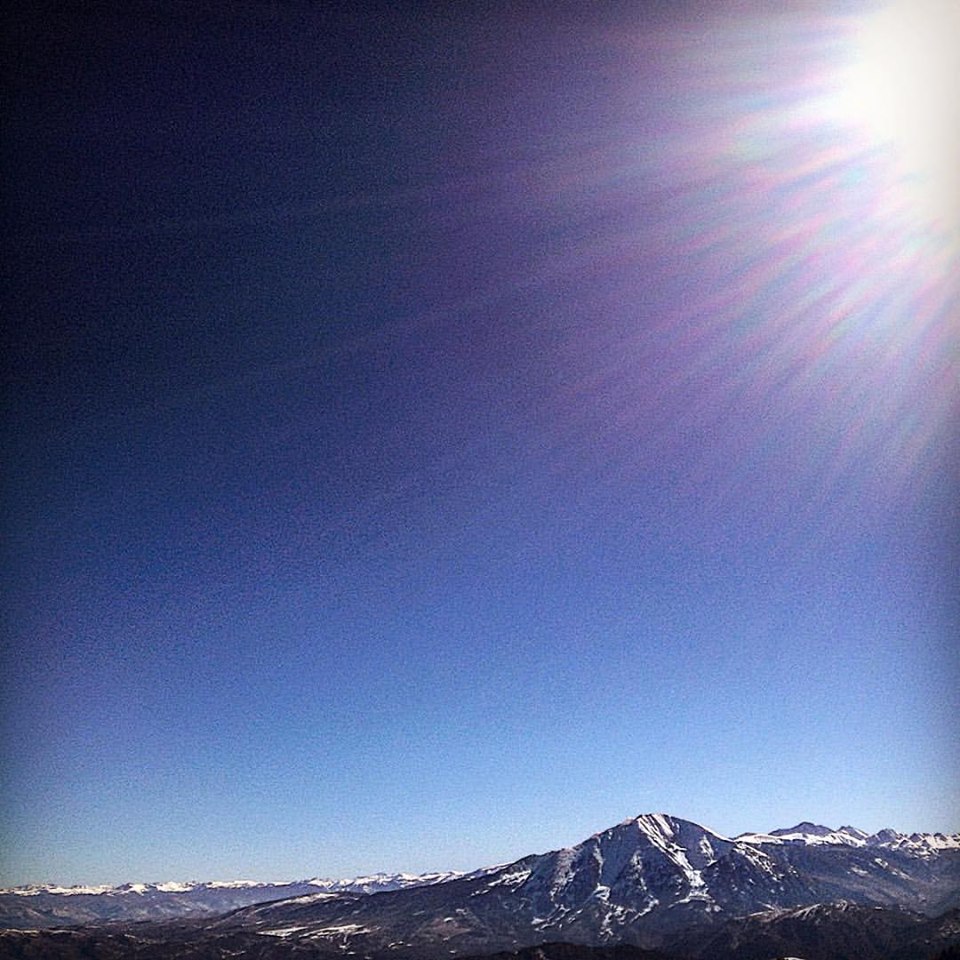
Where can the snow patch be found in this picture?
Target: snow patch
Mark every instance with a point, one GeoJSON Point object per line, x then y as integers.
{"type": "Point", "coordinates": [510, 879]}
{"type": "Point", "coordinates": [283, 931]}
{"type": "Point", "coordinates": [340, 929]}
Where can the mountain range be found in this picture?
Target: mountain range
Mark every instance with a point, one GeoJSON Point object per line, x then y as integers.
{"type": "Point", "coordinates": [654, 883]}
{"type": "Point", "coordinates": [47, 905]}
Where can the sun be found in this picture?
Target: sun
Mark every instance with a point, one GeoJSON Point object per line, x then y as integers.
{"type": "Point", "coordinates": [902, 90]}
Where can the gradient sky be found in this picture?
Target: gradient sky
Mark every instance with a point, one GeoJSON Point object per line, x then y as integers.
{"type": "Point", "coordinates": [437, 433]}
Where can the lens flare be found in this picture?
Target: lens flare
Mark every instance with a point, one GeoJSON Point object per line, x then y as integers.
{"type": "Point", "coordinates": [795, 215]}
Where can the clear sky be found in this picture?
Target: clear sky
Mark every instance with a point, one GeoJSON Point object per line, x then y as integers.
{"type": "Point", "coordinates": [436, 433]}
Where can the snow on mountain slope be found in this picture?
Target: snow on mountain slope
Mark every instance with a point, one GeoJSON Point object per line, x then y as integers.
{"type": "Point", "coordinates": [633, 882]}
{"type": "Point", "coordinates": [614, 866]}
{"type": "Point", "coordinates": [815, 833]}
{"type": "Point", "coordinates": [921, 844]}
{"type": "Point", "coordinates": [378, 882]}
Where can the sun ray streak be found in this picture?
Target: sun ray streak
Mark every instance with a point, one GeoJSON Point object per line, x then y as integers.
{"type": "Point", "coordinates": [812, 297]}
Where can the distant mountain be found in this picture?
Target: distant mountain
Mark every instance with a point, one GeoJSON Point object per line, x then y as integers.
{"type": "Point", "coordinates": [41, 906]}
{"type": "Point", "coordinates": [812, 834]}
{"type": "Point", "coordinates": [652, 883]}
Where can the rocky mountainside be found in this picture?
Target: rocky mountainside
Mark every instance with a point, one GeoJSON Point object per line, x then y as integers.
{"type": "Point", "coordinates": [833, 931]}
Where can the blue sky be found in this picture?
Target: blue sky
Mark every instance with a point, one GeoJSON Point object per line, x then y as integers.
{"type": "Point", "coordinates": [436, 436]}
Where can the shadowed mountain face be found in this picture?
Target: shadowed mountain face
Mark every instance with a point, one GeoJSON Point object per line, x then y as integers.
{"type": "Point", "coordinates": [655, 882]}
{"type": "Point", "coordinates": [835, 931]}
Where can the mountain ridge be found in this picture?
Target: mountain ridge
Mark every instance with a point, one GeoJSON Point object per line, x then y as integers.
{"type": "Point", "coordinates": [386, 880]}
{"type": "Point", "coordinates": [805, 831]}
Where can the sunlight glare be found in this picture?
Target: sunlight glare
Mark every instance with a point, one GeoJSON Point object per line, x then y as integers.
{"type": "Point", "coordinates": [903, 90]}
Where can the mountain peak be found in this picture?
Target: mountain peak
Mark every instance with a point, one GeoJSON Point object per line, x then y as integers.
{"type": "Point", "coordinates": [805, 828]}
{"type": "Point", "coordinates": [854, 832]}
{"type": "Point", "coordinates": [661, 824]}
{"type": "Point", "coordinates": [816, 833]}
{"type": "Point", "coordinates": [669, 827]}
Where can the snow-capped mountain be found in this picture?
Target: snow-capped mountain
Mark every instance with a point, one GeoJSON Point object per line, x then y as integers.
{"type": "Point", "coordinates": [39, 906]}
{"type": "Point", "coordinates": [812, 834]}
{"type": "Point", "coordinates": [641, 882]}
